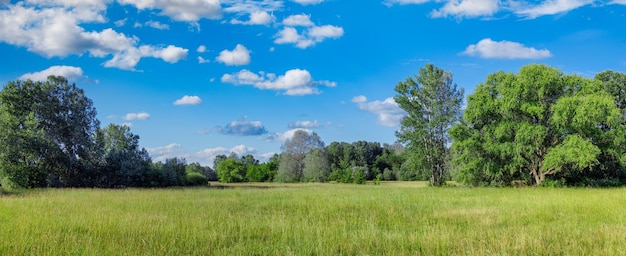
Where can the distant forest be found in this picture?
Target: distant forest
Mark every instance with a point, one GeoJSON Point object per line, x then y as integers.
{"type": "Point", "coordinates": [538, 126]}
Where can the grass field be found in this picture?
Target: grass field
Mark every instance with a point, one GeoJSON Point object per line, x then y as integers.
{"type": "Point", "coordinates": [315, 219]}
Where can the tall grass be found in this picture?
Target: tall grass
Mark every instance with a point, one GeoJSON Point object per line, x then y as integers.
{"type": "Point", "coordinates": [315, 219]}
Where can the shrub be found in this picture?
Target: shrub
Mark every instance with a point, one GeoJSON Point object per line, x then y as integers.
{"type": "Point", "coordinates": [196, 179]}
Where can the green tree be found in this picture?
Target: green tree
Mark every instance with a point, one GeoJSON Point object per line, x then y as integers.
{"type": "Point", "coordinates": [536, 124]}
{"type": "Point", "coordinates": [316, 167]}
{"type": "Point", "coordinates": [433, 105]}
{"type": "Point", "coordinates": [291, 163]}
{"type": "Point", "coordinates": [231, 170]}
{"type": "Point", "coordinates": [68, 120]}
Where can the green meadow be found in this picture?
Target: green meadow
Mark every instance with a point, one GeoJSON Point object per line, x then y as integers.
{"type": "Point", "coordinates": [396, 218]}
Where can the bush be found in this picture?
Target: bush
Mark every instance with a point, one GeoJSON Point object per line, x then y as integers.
{"type": "Point", "coordinates": [196, 179]}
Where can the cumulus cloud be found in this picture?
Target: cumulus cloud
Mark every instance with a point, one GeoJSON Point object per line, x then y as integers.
{"type": "Point", "coordinates": [242, 127]}
{"type": "Point", "coordinates": [201, 49]}
{"type": "Point", "coordinates": [298, 20]}
{"type": "Point", "coordinates": [188, 100]}
{"type": "Point", "coordinates": [308, 2]}
{"type": "Point", "coordinates": [304, 124]}
{"type": "Point", "coordinates": [295, 82]}
{"type": "Point", "coordinates": [467, 8]}
{"type": "Point", "coordinates": [160, 154]}
{"type": "Point", "coordinates": [210, 153]}
{"type": "Point", "coordinates": [188, 11]}
{"type": "Point", "coordinates": [285, 135]}
{"type": "Point", "coordinates": [488, 48]}
{"type": "Point", "coordinates": [256, 18]}
{"type": "Point", "coordinates": [237, 57]}
{"type": "Point", "coordinates": [137, 116]}
{"type": "Point", "coordinates": [310, 35]}
{"type": "Point", "coordinates": [52, 29]}
{"type": "Point", "coordinates": [551, 7]}
{"type": "Point", "coordinates": [69, 72]}
{"type": "Point", "coordinates": [387, 111]}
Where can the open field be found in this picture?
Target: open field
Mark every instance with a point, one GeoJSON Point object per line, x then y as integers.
{"type": "Point", "coordinates": [315, 219]}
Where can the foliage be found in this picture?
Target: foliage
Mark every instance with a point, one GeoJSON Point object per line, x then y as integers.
{"type": "Point", "coordinates": [195, 179]}
{"type": "Point", "coordinates": [316, 167]}
{"type": "Point", "coordinates": [56, 123]}
{"type": "Point", "coordinates": [231, 170]}
{"type": "Point", "coordinates": [536, 124]}
{"type": "Point", "coordinates": [433, 105]}
{"type": "Point", "coordinates": [291, 162]}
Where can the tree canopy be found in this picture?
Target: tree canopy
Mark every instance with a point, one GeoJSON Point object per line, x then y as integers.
{"type": "Point", "coordinates": [537, 124]}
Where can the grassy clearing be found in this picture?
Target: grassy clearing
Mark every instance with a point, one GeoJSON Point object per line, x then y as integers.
{"type": "Point", "coordinates": [315, 219]}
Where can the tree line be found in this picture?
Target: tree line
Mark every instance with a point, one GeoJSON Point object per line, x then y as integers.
{"type": "Point", "coordinates": [538, 126]}
{"type": "Point", "coordinates": [50, 137]}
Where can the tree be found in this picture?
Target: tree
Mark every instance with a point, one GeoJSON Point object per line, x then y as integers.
{"type": "Point", "coordinates": [536, 124]}
{"type": "Point", "coordinates": [68, 121]}
{"type": "Point", "coordinates": [231, 170]}
{"type": "Point", "coordinates": [125, 163]}
{"type": "Point", "coordinates": [316, 167]}
{"type": "Point", "coordinates": [433, 105]}
{"type": "Point", "coordinates": [291, 163]}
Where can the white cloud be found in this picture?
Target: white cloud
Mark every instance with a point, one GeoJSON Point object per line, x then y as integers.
{"type": "Point", "coordinates": [52, 30]}
{"type": "Point", "coordinates": [206, 156]}
{"type": "Point", "coordinates": [467, 8]}
{"type": "Point", "coordinates": [256, 18]}
{"type": "Point", "coordinates": [137, 116]}
{"type": "Point", "coordinates": [201, 49]}
{"type": "Point", "coordinates": [551, 7]}
{"type": "Point", "coordinates": [387, 111]}
{"type": "Point", "coordinates": [311, 34]}
{"type": "Point", "coordinates": [488, 48]}
{"type": "Point", "coordinates": [129, 58]}
{"type": "Point", "coordinates": [159, 154]}
{"type": "Point", "coordinates": [188, 100]}
{"type": "Point", "coordinates": [237, 57]}
{"type": "Point", "coordinates": [69, 72]}
{"type": "Point", "coordinates": [295, 82]}
{"type": "Point", "coordinates": [404, 2]}
{"type": "Point", "coordinates": [359, 99]}
{"type": "Point", "coordinates": [298, 20]}
{"type": "Point", "coordinates": [307, 2]}
{"type": "Point", "coordinates": [157, 25]}
{"type": "Point", "coordinates": [285, 135]}
{"type": "Point", "coordinates": [202, 60]}
{"type": "Point", "coordinates": [304, 124]}
{"type": "Point", "coordinates": [618, 2]}
{"type": "Point", "coordinates": [120, 23]}
{"type": "Point", "coordinates": [242, 127]}
{"type": "Point", "coordinates": [188, 10]}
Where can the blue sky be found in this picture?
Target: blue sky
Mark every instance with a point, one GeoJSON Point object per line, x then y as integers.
{"type": "Point", "coordinates": [198, 78]}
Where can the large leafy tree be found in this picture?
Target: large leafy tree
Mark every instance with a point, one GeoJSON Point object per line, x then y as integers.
{"type": "Point", "coordinates": [433, 104]}
{"type": "Point", "coordinates": [67, 119]}
{"type": "Point", "coordinates": [536, 124]}
{"type": "Point", "coordinates": [125, 163]}
{"type": "Point", "coordinates": [291, 163]}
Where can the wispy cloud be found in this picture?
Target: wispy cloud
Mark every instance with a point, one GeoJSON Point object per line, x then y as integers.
{"type": "Point", "coordinates": [137, 116]}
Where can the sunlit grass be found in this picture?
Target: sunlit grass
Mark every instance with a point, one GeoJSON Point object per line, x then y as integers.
{"type": "Point", "coordinates": [315, 219]}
